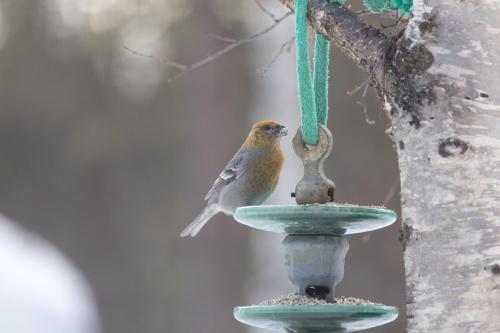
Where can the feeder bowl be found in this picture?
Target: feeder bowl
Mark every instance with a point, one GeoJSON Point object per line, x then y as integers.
{"type": "Point", "coordinates": [315, 250]}
{"type": "Point", "coordinates": [315, 219]}
{"type": "Point", "coordinates": [316, 318]}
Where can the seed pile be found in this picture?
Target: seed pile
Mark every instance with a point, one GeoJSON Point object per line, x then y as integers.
{"type": "Point", "coordinates": [335, 204]}
{"type": "Point", "coordinates": [294, 299]}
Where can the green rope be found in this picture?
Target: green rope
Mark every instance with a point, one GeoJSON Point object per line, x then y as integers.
{"type": "Point", "coordinates": [377, 6]}
{"type": "Point", "coordinates": [313, 92]}
{"type": "Point", "coordinates": [321, 70]}
{"type": "Point", "coordinates": [308, 116]}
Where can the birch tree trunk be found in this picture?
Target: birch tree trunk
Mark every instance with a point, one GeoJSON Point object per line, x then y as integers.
{"type": "Point", "coordinates": [440, 81]}
{"type": "Point", "coordinates": [450, 170]}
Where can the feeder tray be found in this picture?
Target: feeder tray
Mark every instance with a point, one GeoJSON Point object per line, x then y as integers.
{"type": "Point", "coordinates": [315, 219]}
{"type": "Point", "coordinates": [316, 318]}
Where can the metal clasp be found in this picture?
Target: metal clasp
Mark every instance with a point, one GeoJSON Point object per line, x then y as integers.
{"type": "Point", "coordinates": [314, 187]}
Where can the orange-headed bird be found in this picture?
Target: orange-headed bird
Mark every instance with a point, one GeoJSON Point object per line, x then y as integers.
{"type": "Point", "coordinates": [249, 178]}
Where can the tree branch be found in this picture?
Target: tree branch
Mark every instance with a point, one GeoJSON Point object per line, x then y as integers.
{"type": "Point", "coordinates": [393, 64]}
{"type": "Point", "coordinates": [184, 69]}
{"type": "Point", "coordinates": [364, 44]}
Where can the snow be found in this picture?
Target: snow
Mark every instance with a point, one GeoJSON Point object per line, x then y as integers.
{"type": "Point", "coordinates": [40, 290]}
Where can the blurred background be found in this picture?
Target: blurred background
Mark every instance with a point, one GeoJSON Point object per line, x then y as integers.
{"type": "Point", "coordinates": [106, 159]}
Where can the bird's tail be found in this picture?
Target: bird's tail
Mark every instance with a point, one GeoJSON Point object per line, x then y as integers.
{"type": "Point", "coordinates": [194, 228]}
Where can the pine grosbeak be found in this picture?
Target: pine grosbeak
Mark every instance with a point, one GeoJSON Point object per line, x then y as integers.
{"type": "Point", "coordinates": [249, 178]}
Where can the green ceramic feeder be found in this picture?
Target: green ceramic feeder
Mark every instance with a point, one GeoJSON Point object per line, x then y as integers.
{"type": "Point", "coordinates": [315, 249]}
{"type": "Point", "coordinates": [316, 318]}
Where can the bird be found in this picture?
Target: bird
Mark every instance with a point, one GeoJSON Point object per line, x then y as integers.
{"type": "Point", "coordinates": [250, 176]}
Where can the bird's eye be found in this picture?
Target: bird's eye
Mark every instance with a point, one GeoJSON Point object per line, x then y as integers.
{"type": "Point", "coordinates": [266, 127]}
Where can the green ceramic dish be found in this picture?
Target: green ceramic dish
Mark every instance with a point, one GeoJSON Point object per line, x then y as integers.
{"type": "Point", "coordinates": [316, 318]}
{"type": "Point", "coordinates": [315, 219]}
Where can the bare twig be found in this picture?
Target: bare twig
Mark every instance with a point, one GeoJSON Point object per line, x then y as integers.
{"type": "Point", "coordinates": [365, 86]}
{"type": "Point", "coordinates": [285, 46]}
{"type": "Point", "coordinates": [264, 9]}
{"type": "Point", "coordinates": [221, 38]}
{"type": "Point", "coordinates": [150, 56]}
{"type": "Point", "coordinates": [184, 69]}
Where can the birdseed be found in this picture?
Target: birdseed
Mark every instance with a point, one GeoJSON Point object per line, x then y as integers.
{"type": "Point", "coordinates": [334, 204]}
{"type": "Point", "coordinates": [295, 299]}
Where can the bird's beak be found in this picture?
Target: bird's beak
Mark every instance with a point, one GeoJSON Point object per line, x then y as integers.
{"type": "Point", "coordinates": [281, 130]}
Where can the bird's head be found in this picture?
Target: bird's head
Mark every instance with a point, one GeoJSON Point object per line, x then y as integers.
{"type": "Point", "coordinates": [266, 132]}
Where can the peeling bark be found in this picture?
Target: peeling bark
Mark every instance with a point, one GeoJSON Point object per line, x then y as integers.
{"type": "Point", "coordinates": [441, 86]}
{"type": "Point", "coordinates": [450, 170]}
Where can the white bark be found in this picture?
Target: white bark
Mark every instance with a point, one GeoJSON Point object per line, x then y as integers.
{"type": "Point", "coordinates": [450, 170]}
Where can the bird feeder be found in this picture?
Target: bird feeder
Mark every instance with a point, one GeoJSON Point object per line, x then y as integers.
{"type": "Point", "coordinates": [315, 249]}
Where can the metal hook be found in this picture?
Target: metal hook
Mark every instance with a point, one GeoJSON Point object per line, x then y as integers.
{"type": "Point", "coordinates": [314, 187]}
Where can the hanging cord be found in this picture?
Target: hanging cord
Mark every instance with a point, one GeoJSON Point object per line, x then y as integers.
{"type": "Point", "coordinates": [308, 116]}
{"type": "Point", "coordinates": [320, 77]}
{"type": "Point", "coordinates": [378, 6]}
{"type": "Point", "coordinates": [313, 92]}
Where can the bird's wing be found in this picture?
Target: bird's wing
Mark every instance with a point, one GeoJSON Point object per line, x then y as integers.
{"type": "Point", "coordinates": [232, 171]}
